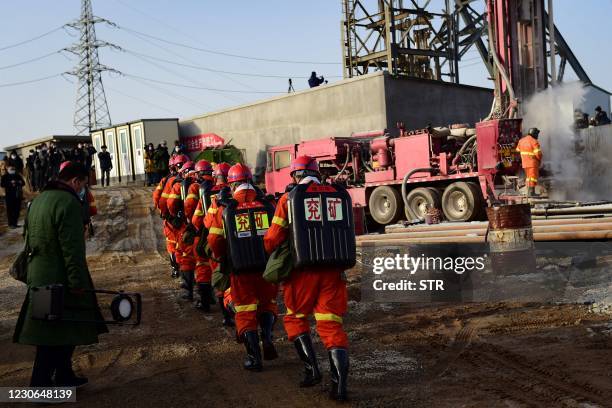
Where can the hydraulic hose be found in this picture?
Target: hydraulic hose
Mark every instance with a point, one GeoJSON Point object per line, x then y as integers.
{"type": "Point", "coordinates": [407, 176]}
{"type": "Point", "coordinates": [462, 148]}
{"type": "Point", "coordinates": [349, 154]}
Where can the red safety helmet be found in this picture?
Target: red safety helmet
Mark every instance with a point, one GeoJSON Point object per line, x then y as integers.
{"type": "Point", "coordinates": [203, 165]}
{"type": "Point", "coordinates": [188, 165]}
{"type": "Point", "coordinates": [304, 163]}
{"type": "Point", "coordinates": [64, 165]}
{"type": "Point", "coordinates": [239, 172]}
{"type": "Point", "coordinates": [180, 159]}
{"type": "Point", "coordinates": [221, 170]}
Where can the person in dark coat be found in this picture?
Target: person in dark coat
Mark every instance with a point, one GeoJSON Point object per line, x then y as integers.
{"type": "Point", "coordinates": [161, 158]}
{"type": "Point", "coordinates": [56, 237]}
{"type": "Point", "coordinates": [90, 152]}
{"type": "Point", "coordinates": [15, 161]}
{"type": "Point", "coordinates": [601, 117]}
{"type": "Point", "coordinates": [78, 154]}
{"type": "Point", "coordinates": [30, 170]}
{"type": "Point", "coordinates": [314, 80]}
{"type": "Point", "coordinates": [106, 165]}
{"type": "Point", "coordinates": [12, 183]}
{"type": "Point", "coordinates": [56, 157]}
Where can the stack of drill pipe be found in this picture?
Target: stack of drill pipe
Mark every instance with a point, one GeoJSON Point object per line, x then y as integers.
{"type": "Point", "coordinates": [543, 230]}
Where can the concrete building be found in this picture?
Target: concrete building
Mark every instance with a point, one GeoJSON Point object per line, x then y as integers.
{"type": "Point", "coordinates": [63, 142]}
{"type": "Point", "coordinates": [126, 144]}
{"type": "Point", "coordinates": [370, 102]}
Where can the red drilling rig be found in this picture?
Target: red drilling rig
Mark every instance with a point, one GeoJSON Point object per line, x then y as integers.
{"type": "Point", "coordinates": [458, 169]}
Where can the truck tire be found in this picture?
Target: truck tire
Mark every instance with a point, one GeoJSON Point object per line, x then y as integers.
{"type": "Point", "coordinates": [419, 199]}
{"type": "Point", "coordinates": [385, 205]}
{"type": "Point", "coordinates": [462, 201]}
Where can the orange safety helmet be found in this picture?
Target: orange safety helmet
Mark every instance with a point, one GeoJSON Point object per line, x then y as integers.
{"type": "Point", "coordinates": [304, 163]}
{"type": "Point", "coordinates": [203, 165]}
{"type": "Point", "coordinates": [239, 172]}
{"type": "Point", "coordinates": [221, 170]}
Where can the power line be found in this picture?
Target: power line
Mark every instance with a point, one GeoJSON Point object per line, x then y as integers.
{"type": "Point", "coordinates": [140, 100]}
{"type": "Point", "coordinates": [227, 54]}
{"type": "Point", "coordinates": [31, 60]}
{"type": "Point", "coordinates": [32, 39]}
{"type": "Point", "coordinates": [203, 68]}
{"type": "Point", "coordinates": [181, 98]}
{"type": "Point", "coordinates": [30, 81]}
{"type": "Point", "coordinates": [229, 97]}
{"type": "Point", "coordinates": [198, 87]}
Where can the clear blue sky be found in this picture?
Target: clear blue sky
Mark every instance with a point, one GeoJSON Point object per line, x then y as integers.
{"type": "Point", "coordinates": [277, 29]}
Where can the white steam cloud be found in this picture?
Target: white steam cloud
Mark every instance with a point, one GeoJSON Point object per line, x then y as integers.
{"type": "Point", "coordinates": [552, 111]}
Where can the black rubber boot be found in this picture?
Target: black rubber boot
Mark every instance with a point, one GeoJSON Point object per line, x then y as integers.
{"type": "Point", "coordinates": [303, 345]}
{"type": "Point", "coordinates": [188, 285]}
{"type": "Point", "coordinates": [266, 322]}
{"type": "Point", "coordinates": [204, 293]}
{"type": "Point", "coordinates": [175, 267]}
{"type": "Point", "coordinates": [253, 358]}
{"type": "Point", "coordinates": [338, 367]}
{"type": "Point", "coordinates": [228, 318]}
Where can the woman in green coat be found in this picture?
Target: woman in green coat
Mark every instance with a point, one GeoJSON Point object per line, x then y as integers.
{"type": "Point", "coordinates": [56, 238]}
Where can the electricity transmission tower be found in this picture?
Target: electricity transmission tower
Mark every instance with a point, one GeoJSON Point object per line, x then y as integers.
{"type": "Point", "coordinates": [91, 110]}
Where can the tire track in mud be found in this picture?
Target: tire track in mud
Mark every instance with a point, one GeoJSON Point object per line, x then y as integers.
{"type": "Point", "coordinates": [516, 377]}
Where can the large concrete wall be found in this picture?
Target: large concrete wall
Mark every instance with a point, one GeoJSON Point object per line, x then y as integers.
{"type": "Point", "coordinates": [370, 102]}
{"type": "Point", "coordinates": [332, 110]}
{"type": "Point", "coordinates": [419, 103]}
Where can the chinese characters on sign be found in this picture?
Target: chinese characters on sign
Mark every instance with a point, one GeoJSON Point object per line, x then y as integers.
{"type": "Point", "coordinates": [243, 225]}
{"type": "Point", "coordinates": [312, 207]}
{"type": "Point", "coordinates": [202, 141]}
{"type": "Point", "coordinates": [333, 208]}
{"type": "Point", "coordinates": [261, 222]}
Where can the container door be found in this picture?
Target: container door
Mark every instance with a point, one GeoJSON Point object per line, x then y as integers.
{"type": "Point", "coordinates": [96, 139]}
{"type": "Point", "coordinates": [124, 153]}
{"type": "Point", "coordinates": [138, 143]}
{"type": "Point", "coordinates": [111, 144]}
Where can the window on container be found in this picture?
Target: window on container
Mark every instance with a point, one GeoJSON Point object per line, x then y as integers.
{"type": "Point", "coordinates": [282, 159]}
{"type": "Point", "coordinates": [110, 142]}
{"type": "Point", "coordinates": [124, 147]}
{"type": "Point", "coordinates": [137, 140]}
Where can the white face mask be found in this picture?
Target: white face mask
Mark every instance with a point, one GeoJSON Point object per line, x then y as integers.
{"type": "Point", "coordinates": [11, 171]}
{"type": "Point", "coordinates": [13, 156]}
{"type": "Point", "coordinates": [82, 193]}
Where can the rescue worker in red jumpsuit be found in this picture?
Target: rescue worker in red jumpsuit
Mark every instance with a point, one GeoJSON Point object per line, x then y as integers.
{"type": "Point", "coordinates": [246, 216]}
{"type": "Point", "coordinates": [318, 290]}
{"type": "Point", "coordinates": [199, 193]}
{"type": "Point", "coordinates": [202, 220]}
{"type": "Point", "coordinates": [160, 198]}
{"type": "Point", "coordinates": [179, 202]}
{"type": "Point", "coordinates": [531, 157]}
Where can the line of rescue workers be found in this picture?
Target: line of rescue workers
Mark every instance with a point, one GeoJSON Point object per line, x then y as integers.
{"type": "Point", "coordinates": [227, 239]}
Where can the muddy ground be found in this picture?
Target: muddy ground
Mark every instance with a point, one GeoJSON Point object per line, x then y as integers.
{"type": "Point", "coordinates": [468, 355]}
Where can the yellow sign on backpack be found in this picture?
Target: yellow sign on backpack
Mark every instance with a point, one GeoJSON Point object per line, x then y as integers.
{"type": "Point", "coordinates": [243, 224]}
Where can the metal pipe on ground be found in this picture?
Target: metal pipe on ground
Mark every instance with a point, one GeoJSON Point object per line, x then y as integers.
{"type": "Point", "coordinates": [540, 236]}
{"type": "Point", "coordinates": [605, 209]}
{"type": "Point", "coordinates": [483, 224]}
{"type": "Point", "coordinates": [482, 231]}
